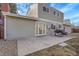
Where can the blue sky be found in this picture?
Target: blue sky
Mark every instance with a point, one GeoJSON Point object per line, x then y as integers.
{"type": "Point", "coordinates": [71, 10]}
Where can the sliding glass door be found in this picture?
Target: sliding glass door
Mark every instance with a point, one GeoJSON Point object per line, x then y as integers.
{"type": "Point", "coordinates": [40, 28]}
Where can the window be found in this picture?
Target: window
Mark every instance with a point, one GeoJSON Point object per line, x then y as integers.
{"type": "Point", "coordinates": [52, 26]}
{"type": "Point", "coordinates": [48, 10]}
{"type": "Point", "coordinates": [54, 13]}
{"type": "Point", "coordinates": [64, 27]}
{"type": "Point", "coordinates": [59, 26]}
{"type": "Point", "coordinates": [44, 8]}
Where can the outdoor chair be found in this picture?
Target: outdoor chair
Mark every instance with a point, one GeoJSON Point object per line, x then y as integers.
{"type": "Point", "coordinates": [59, 32]}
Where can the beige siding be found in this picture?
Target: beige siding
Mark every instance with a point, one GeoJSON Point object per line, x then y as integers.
{"type": "Point", "coordinates": [68, 29]}
{"type": "Point", "coordinates": [19, 28]}
{"type": "Point", "coordinates": [33, 10]}
{"type": "Point", "coordinates": [36, 10]}
{"type": "Point", "coordinates": [50, 15]}
{"type": "Point", "coordinates": [67, 22]}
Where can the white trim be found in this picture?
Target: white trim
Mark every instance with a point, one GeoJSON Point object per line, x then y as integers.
{"type": "Point", "coordinates": [37, 24]}
{"type": "Point", "coordinates": [35, 28]}
{"type": "Point", "coordinates": [51, 21]}
{"type": "Point", "coordinates": [40, 34]}
{"type": "Point", "coordinates": [38, 28]}
{"type": "Point", "coordinates": [4, 27]}
{"type": "Point", "coordinates": [45, 28]}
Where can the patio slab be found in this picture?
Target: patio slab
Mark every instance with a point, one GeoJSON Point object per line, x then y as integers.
{"type": "Point", "coordinates": [30, 45]}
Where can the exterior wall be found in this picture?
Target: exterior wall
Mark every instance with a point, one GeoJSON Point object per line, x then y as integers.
{"type": "Point", "coordinates": [5, 7]}
{"type": "Point", "coordinates": [19, 28]}
{"type": "Point", "coordinates": [67, 21]}
{"type": "Point", "coordinates": [36, 10]}
{"type": "Point", "coordinates": [67, 25]}
{"type": "Point", "coordinates": [50, 30]}
{"type": "Point", "coordinates": [49, 15]}
{"type": "Point", "coordinates": [33, 10]}
{"type": "Point", "coordinates": [68, 29]}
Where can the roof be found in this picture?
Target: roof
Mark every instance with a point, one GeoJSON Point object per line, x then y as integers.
{"type": "Point", "coordinates": [67, 25]}
{"type": "Point", "coordinates": [20, 16]}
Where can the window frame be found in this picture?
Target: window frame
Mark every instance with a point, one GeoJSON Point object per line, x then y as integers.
{"type": "Point", "coordinates": [52, 26]}
{"type": "Point", "coordinates": [54, 12]}
{"type": "Point", "coordinates": [37, 26]}
{"type": "Point", "coordinates": [48, 10]}
{"type": "Point", "coordinates": [44, 9]}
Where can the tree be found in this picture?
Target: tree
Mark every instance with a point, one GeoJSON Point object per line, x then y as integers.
{"type": "Point", "coordinates": [22, 8]}
{"type": "Point", "coordinates": [13, 8]}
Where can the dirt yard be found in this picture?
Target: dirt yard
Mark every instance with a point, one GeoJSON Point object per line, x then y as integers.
{"type": "Point", "coordinates": [8, 48]}
{"type": "Point", "coordinates": [72, 49]}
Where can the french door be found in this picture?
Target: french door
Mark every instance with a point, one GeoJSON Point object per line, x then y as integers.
{"type": "Point", "coordinates": [40, 28]}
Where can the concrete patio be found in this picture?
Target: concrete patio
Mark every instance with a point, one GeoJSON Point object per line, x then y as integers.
{"type": "Point", "coordinates": [30, 45]}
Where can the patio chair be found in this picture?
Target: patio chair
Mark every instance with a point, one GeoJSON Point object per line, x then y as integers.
{"type": "Point", "coordinates": [59, 32]}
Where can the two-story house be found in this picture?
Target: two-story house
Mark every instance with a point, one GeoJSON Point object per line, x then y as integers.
{"type": "Point", "coordinates": [40, 20]}
{"type": "Point", "coordinates": [48, 18]}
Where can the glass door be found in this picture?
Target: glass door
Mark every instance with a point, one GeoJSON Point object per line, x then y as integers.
{"type": "Point", "coordinates": [40, 29]}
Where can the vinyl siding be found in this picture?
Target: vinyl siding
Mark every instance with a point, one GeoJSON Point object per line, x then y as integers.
{"type": "Point", "coordinates": [19, 28]}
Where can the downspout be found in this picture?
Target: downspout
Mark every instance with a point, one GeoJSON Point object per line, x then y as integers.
{"type": "Point", "coordinates": [5, 36]}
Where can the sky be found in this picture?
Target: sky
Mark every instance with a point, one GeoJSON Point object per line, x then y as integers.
{"type": "Point", "coordinates": [70, 10]}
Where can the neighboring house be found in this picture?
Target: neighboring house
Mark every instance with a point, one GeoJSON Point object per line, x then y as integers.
{"type": "Point", "coordinates": [40, 20]}
{"type": "Point", "coordinates": [1, 22]}
{"type": "Point", "coordinates": [4, 9]}
{"type": "Point", "coordinates": [67, 25]}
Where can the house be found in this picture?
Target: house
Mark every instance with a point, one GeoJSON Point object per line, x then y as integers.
{"type": "Point", "coordinates": [67, 25]}
{"type": "Point", "coordinates": [48, 16]}
{"type": "Point", "coordinates": [41, 20]}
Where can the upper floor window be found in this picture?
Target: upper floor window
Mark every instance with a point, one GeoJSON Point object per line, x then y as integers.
{"type": "Point", "coordinates": [44, 8]}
